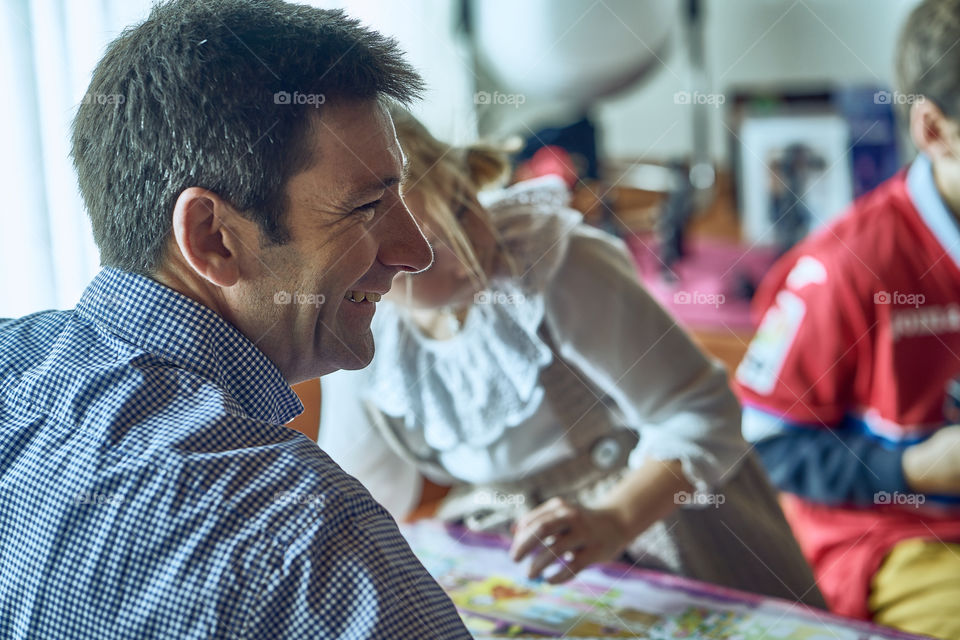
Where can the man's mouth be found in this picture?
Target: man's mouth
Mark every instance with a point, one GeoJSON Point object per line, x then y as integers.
{"type": "Point", "coordinates": [360, 296]}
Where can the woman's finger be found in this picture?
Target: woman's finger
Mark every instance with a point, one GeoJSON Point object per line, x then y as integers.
{"type": "Point", "coordinates": [550, 508]}
{"type": "Point", "coordinates": [541, 560]}
{"type": "Point", "coordinates": [569, 566]}
{"type": "Point", "coordinates": [531, 536]}
{"type": "Point", "coordinates": [563, 546]}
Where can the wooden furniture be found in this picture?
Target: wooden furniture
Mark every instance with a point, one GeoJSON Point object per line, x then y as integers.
{"type": "Point", "coordinates": [308, 422]}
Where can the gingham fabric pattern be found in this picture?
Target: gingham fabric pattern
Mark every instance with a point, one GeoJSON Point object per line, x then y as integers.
{"type": "Point", "coordinates": [149, 490]}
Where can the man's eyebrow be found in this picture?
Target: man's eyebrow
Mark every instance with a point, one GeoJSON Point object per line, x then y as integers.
{"type": "Point", "coordinates": [373, 187]}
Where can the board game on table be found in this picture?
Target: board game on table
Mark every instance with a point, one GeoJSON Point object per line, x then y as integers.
{"type": "Point", "coordinates": [496, 600]}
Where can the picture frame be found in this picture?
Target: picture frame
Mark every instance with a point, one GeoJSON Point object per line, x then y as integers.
{"type": "Point", "coordinates": [795, 175]}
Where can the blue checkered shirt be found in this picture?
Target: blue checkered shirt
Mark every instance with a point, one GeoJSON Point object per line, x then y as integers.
{"type": "Point", "coordinates": [148, 488]}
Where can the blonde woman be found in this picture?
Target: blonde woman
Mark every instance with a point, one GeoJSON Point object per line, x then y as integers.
{"type": "Point", "coordinates": [529, 369]}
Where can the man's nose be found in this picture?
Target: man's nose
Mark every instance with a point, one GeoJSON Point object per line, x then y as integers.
{"type": "Point", "coordinates": [404, 246]}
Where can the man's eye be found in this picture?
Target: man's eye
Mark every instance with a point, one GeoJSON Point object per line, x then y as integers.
{"type": "Point", "coordinates": [369, 208]}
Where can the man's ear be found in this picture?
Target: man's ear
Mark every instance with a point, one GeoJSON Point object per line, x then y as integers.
{"type": "Point", "coordinates": [933, 132]}
{"type": "Point", "coordinates": [208, 232]}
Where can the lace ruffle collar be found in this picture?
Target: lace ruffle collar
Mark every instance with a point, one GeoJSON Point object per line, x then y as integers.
{"type": "Point", "coordinates": [473, 387]}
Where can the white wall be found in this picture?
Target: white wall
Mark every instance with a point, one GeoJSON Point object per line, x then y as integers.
{"type": "Point", "coordinates": [754, 42]}
{"type": "Point", "coordinates": [747, 42]}
{"type": "Point", "coordinates": [424, 29]}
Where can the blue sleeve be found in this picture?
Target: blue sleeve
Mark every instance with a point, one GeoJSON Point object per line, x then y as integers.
{"type": "Point", "coordinates": [832, 466]}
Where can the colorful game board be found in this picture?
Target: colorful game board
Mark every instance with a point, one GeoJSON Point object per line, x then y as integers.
{"type": "Point", "coordinates": [496, 600]}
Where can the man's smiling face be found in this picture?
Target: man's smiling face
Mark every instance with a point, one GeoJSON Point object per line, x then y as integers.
{"type": "Point", "coordinates": [350, 234]}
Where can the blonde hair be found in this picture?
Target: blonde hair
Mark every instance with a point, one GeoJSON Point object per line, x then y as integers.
{"type": "Point", "coordinates": [448, 177]}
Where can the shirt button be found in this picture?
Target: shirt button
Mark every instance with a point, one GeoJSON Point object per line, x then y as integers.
{"type": "Point", "coordinates": [605, 453]}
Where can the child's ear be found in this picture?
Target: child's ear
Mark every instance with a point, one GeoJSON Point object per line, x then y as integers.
{"type": "Point", "coordinates": [486, 165]}
{"type": "Point", "coordinates": [933, 132]}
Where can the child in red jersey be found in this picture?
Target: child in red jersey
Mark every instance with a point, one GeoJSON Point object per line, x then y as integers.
{"type": "Point", "coordinates": [850, 384]}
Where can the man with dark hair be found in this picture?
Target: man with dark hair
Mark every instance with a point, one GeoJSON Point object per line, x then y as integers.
{"type": "Point", "coordinates": [242, 173]}
{"type": "Point", "coordinates": [851, 383]}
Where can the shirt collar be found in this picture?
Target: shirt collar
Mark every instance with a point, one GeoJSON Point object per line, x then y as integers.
{"type": "Point", "coordinates": [934, 212]}
{"type": "Point", "coordinates": [164, 322]}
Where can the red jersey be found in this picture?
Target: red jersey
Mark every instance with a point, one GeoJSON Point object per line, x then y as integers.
{"type": "Point", "coordinates": [861, 323]}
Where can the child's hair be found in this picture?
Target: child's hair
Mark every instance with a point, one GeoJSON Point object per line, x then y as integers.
{"type": "Point", "coordinates": [928, 58]}
{"type": "Point", "coordinates": [447, 177]}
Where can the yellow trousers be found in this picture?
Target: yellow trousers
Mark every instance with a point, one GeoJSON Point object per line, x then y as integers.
{"type": "Point", "coordinates": [917, 589]}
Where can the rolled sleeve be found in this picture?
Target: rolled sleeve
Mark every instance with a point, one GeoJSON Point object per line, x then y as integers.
{"type": "Point", "coordinates": [605, 323]}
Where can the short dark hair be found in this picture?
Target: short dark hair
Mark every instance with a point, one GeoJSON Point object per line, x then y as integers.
{"type": "Point", "coordinates": [928, 58]}
{"type": "Point", "coordinates": [218, 94]}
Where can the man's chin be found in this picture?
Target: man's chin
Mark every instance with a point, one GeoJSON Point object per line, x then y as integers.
{"type": "Point", "coordinates": [356, 363]}
{"type": "Point", "coordinates": [355, 354]}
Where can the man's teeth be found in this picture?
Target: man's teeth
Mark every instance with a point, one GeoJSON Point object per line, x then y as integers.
{"type": "Point", "coordinates": [360, 296]}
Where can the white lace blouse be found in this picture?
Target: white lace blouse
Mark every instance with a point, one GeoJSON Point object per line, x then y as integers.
{"type": "Point", "coordinates": [475, 402]}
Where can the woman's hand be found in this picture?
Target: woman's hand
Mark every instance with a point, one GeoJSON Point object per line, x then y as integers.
{"type": "Point", "coordinates": [570, 535]}
{"type": "Point", "coordinates": [575, 536]}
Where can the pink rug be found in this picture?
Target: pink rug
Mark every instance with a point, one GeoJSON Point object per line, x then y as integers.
{"type": "Point", "coordinates": [711, 282]}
